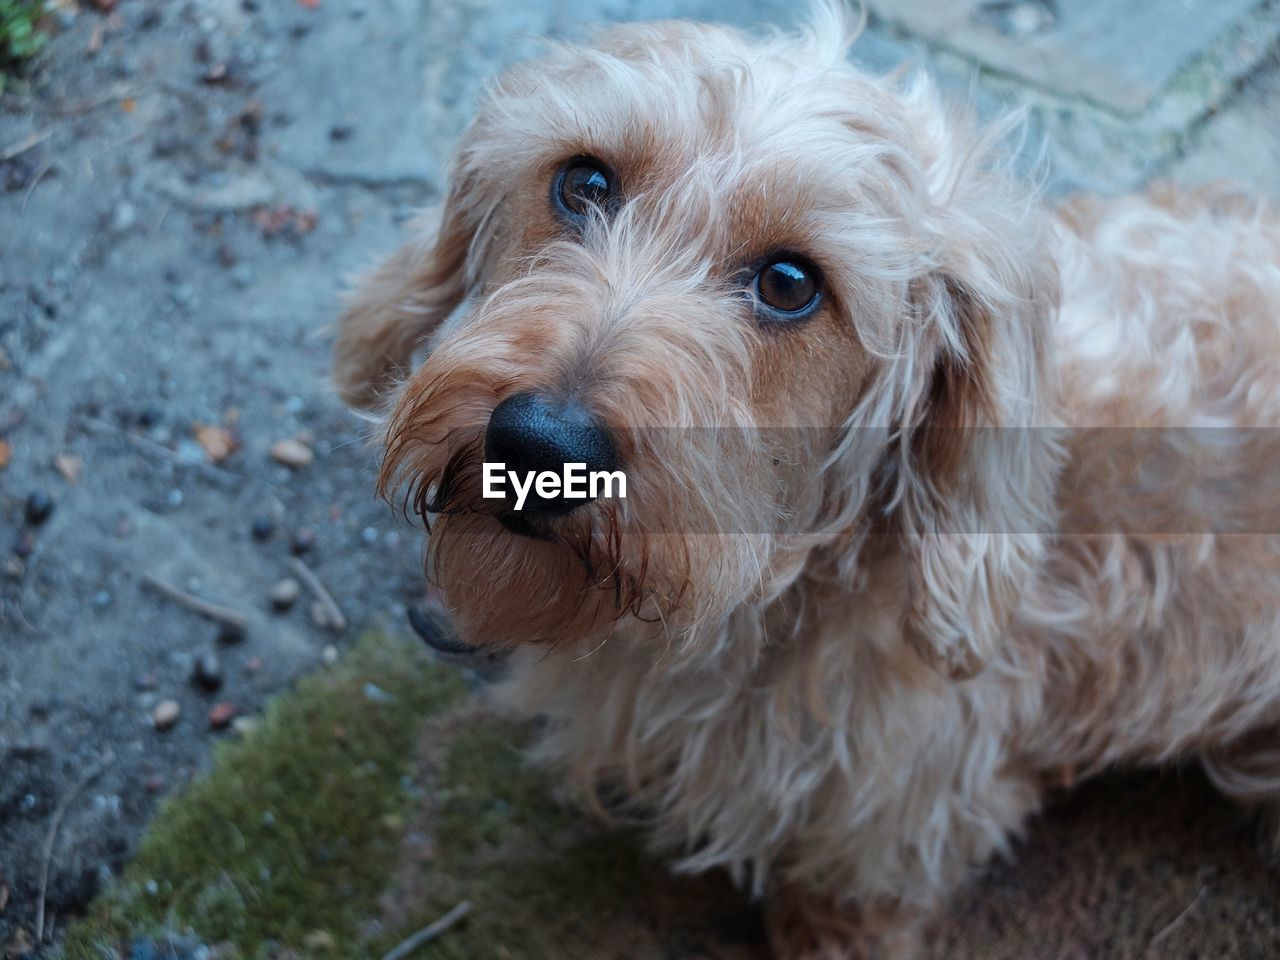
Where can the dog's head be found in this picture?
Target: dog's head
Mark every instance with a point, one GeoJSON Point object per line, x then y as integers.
{"type": "Point", "coordinates": [771, 290]}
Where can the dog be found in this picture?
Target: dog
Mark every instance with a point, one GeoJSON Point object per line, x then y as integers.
{"type": "Point", "coordinates": [939, 496]}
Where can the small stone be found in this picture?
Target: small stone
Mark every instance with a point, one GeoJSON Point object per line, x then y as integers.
{"type": "Point", "coordinates": [369, 536]}
{"type": "Point", "coordinates": [245, 726]}
{"type": "Point", "coordinates": [39, 507]}
{"type": "Point", "coordinates": [242, 275]}
{"type": "Point", "coordinates": [145, 681]}
{"type": "Point", "coordinates": [207, 672]}
{"type": "Point", "coordinates": [376, 694]}
{"type": "Point", "coordinates": [25, 546]}
{"type": "Point", "coordinates": [230, 634]}
{"type": "Point", "coordinates": [320, 940]}
{"type": "Point", "coordinates": [340, 133]}
{"type": "Point", "coordinates": [166, 714]}
{"type": "Point", "coordinates": [294, 454]}
{"type": "Point", "coordinates": [125, 216]}
{"type": "Point", "coordinates": [262, 528]}
{"type": "Point", "coordinates": [320, 615]}
{"type": "Point", "coordinates": [14, 568]}
{"type": "Point", "coordinates": [221, 715]}
{"type": "Point", "coordinates": [285, 594]}
{"type": "Point", "coordinates": [330, 655]}
{"type": "Point", "coordinates": [303, 540]}
{"type": "Point", "coordinates": [102, 599]}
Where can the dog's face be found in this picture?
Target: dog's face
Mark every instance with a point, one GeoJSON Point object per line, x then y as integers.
{"type": "Point", "coordinates": [715, 264]}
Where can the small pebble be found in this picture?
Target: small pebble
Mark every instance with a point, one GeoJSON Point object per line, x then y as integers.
{"type": "Point", "coordinates": [375, 693]}
{"type": "Point", "coordinates": [294, 454]}
{"type": "Point", "coordinates": [330, 655]}
{"type": "Point", "coordinates": [25, 546]}
{"type": "Point", "coordinates": [285, 594]}
{"type": "Point", "coordinates": [245, 726]}
{"type": "Point", "coordinates": [369, 535]}
{"type": "Point", "coordinates": [320, 615]}
{"type": "Point", "coordinates": [174, 497]}
{"type": "Point", "coordinates": [230, 634]}
{"type": "Point", "coordinates": [263, 527]}
{"type": "Point", "coordinates": [125, 216]}
{"type": "Point", "coordinates": [303, 540]}
{"type": "Point", "coordinates": [102, 599]}
{"type": "Point", "coordinates": [242, 275]}
{"type": "Point", "coordinates": [207, 672]}
{"type": "Point", "coordinates": [166, 714]}
{"type": "Point", "coordinates": [14, 568]}
{"type": "Point", "coordinates": [145, 681]}
{"type": "Point", "coordinates": [39, 507]}
{"type": "Point", "coordinates": [221, 715]}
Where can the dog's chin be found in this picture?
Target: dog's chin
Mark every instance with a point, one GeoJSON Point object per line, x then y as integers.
{"type": "Point", "coordinates": [509, 580]}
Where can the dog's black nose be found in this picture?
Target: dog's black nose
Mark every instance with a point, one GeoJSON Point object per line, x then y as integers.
{"type": "Point", "coordinates": [531, 435]}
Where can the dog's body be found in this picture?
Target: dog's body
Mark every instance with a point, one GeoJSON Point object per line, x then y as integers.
{"type": "Point", "coordinates": [851, 709]}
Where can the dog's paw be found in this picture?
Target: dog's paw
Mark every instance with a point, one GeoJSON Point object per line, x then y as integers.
{"type": "Point", "coordinates": [807, 926]}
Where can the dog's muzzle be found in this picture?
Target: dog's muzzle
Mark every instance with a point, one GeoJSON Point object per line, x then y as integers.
{"type": "Point", "coordinates": [531, 434]}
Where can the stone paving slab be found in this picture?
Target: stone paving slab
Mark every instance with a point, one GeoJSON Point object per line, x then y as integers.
{"type": "Point", "coordinates": [1119, 54]}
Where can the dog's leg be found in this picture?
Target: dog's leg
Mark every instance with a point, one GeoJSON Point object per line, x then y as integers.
{"type": "Point", "coordinates": [396, 308]}
{"type": "Point", "coordinates": [807, 926]}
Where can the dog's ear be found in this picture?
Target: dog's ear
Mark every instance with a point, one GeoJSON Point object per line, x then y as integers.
{"type": "Point", "coordinates": [395, 309]}
{"type": "Point", "coordinates": [976, 479]}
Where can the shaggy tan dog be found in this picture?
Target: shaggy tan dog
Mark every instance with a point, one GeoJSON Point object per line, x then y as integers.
{"type": "Point", "coordinates": [887, 568]}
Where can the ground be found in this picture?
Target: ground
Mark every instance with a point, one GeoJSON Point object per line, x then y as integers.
{"type": "Point", "coordinates": [185, 186]}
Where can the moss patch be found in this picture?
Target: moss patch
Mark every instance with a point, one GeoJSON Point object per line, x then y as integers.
{"type": "Point", "coordinates": [545, 882]}
{"type": "Point", "coordinates": [20, 33]}
{"type": "Point", "coordinates": [289, 840]}
{"type": "Point", "coordinates": [357, 814]}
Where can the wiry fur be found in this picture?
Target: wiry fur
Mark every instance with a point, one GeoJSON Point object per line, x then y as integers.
{"type": "Point", "coordinates": [843, 661]}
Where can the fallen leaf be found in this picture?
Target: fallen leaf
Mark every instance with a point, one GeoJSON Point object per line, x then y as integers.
{"type": "Point", "coordinates": [6, 453]}
{"type": "Point", "coordinates": [69, 465]}
{"type": "Point", "coordinates": [218, 442]}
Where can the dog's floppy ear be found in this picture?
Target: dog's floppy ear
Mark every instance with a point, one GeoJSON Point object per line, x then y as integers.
{"type": "Point", "coordinates": [978, 454]}
{"type": "Point", "coordinates": [394, 309]}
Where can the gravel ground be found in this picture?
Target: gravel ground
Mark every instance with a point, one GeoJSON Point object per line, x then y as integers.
{"type": "Point", "coordinates": [184, 186]}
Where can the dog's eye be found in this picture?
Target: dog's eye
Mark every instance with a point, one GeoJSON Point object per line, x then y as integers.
{"type": "Point", "coordinates": [581, 184]}
{"type": "Point", "coordinates": [788, 287]}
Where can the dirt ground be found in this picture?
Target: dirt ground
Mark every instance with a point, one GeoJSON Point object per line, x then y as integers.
{"type": "Point", "coordinates": [184, 186]}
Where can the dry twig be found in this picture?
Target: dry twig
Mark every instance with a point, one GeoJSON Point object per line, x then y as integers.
{"type": "Point", "coordinates": [1177, 921]}
{"type": "Point", "coordinates": [22, 146]}
{"type": "Point", "coordinates": [307, 576]}
{"type": "Point", "coordinates": [429, 932]}
{"type": "Point", "coordinates": [205, 608]}
{"type": "Point", "coordinates": [90, 772]}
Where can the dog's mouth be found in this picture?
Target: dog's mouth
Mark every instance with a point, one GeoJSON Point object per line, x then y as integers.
{"type": "Point", "coordinates": [434, 628]}
{"type": "Point", "coordinates": [523, 526]}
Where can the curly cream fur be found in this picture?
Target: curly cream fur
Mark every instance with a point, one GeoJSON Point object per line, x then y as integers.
{"type": "Point", "coordinates": [848, 667]}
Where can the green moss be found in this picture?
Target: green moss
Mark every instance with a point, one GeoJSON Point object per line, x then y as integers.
{"type": "Point", "coordinates": [539, 877]}
{"type": "Point", "coordinates": [20, 33]}
{"type": "Point", "coordinates": [296, 830]}
{"type": "Point", "coordinates": [300, 842]}
{"type": "Point", "coordinates": [547, 883]}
